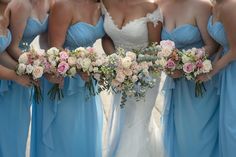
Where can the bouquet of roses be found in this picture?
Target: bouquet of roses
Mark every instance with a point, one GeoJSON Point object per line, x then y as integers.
{"type": "Point", "coordinates": [124, 74]}
{"type": "Point", "coordinates": [32, 63]}
{"type": "Point", "coordinates": [60, 63]}
{"type": "Point", "coordinates": [168, 59]}
{"type": "Point", "coordinates": [90, 62]}
{"type": "Point", "coordinates": [195, 62]}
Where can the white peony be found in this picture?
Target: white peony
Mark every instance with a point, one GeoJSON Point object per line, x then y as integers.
{"type": "Point", "coordinates": [207, 66]}
{"type": "Point", "coordinates": [21, 69]}
{"type": "Point", "coordinates": [37, 72]}
{"type": "Point", "coordinates": [29, 69]}
{"type": "Point", "coordinates": [23, 58]}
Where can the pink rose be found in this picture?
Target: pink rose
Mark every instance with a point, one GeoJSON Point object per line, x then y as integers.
{"type": "Point", "coordinates": [188, 68]}
{"type": "Point", "coordinates": [63, 67]}
{"type": "Point", "coordinates": [170, 64]}
{"type": "Point", "coordinates": [199, 64]}
{"type": "Point", "coordinates": [167, 44]}
{"type": "Point", "coordinates": [200, 53]}
{"type": "Point", "coordinates": [64, 55]}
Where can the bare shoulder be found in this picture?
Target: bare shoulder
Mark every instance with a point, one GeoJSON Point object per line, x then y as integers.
{"type": "Point", "coordinates": [19, 7]}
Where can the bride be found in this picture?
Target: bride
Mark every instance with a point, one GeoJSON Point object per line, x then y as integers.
{"type": "Point", "coordinates": [132, 24]}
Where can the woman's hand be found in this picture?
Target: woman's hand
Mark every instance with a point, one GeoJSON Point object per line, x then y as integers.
{"type": "Point", "coordinates": [176, 74]}
{"type": "Point", "coordinates": [55, 80]}
{"type": "Point", "coordinates": [84, 76]}
{"type": "Point", "coordinates": [24, 80]}
{"type": "Point", "coordinates": [204, 77]}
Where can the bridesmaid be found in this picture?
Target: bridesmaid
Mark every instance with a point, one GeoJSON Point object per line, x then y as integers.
{"type": "Point", "coordinates": [25, 25]}
{"type": "Point", "coordinates": [221, 27]}
{"type": "Point", "coordinates": [190, 123]}
{"type": "Point", "coordinates": [70, 127]}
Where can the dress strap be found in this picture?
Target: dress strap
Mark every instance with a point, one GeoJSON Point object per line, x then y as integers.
{"type": "Point", "coordinates": [155, 17]}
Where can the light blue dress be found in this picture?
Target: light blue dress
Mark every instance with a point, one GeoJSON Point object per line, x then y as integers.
{"type": "Point", "coordinates": [190, 123]}
{"type": "Point", "coordinates": [71, 127]}
{"type": "Point", "coordinates": [15, 103]}
{"type": "Point", "coordinates": [227, 128]}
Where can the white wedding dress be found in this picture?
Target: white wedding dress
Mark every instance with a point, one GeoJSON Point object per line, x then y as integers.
{"type": "Point", "coordinates": [133, 131]}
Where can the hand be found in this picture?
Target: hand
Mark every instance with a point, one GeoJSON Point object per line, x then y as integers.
{"type": "Point", "coordinates": [176, 74]}
{"type": "Point", "coordinates": [84, 76]}
{"type": "Point", "coordinates": [55, 80]}
{"type": "Point", "coordinates": [203, 77]}
{"type": "Point", "coordinates": [24, 80]}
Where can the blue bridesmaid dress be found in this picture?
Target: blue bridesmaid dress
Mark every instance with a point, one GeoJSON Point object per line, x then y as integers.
{"type": "Point", "coordinates": [71, 127]}
{"type": "Point", "coordinates": [190, 123]}
{"type": "Point", "coordinates": [227, 128]}
{"type": "Point", "coordinates": [15, 101]}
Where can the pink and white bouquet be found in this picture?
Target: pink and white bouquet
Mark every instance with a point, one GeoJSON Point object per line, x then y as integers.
{"type": "Point", "coordinates": [32, 63]}
{"type": "Point", "coordinates": [60, 63]}
{"type": "Point", "coordinates": [168, 58]}
{"type": "Point", "coordinates": [126, 75]}
{"type": "Point", "coordinates": [195, 62]}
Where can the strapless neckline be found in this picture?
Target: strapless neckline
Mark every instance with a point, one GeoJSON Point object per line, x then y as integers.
{"type": "Point", "coordinates": [88, 24]}
{"type": "Point", "coordinates": [179, 27]}
{"type": "Point", "coordinates": [215, 23]}
{"type": "Point", "coordinates": [6, 35]}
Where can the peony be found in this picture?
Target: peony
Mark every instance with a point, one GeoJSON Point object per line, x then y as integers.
{"type": "Point", "coordinates": [170, 64]}
{"type": "Point", "coordinates": [37, 72]}
{"type": "Point", "coordinates": [63, 67]}
{"type": "Point", "coordinates": [207, 66]}
{"type": "Point", "coordinates": [21, 69]}
{"type": "Point", "coordinates": [188, 68]}
{"type": "Point", "coordinates": [64, 55]}
{"type": "Point", "coordinates": [126, 62]}
{"type": "Point", "coordinates": [23, 58]}
{"type": "Point", "coordinates": [29, 69]}
{"type": "Point", "coordinates": [72, 61]}
{"type": "Point", "coordinates": [53, 51]}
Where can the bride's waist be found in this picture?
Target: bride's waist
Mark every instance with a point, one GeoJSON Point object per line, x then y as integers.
{"type": "Point", "coordinates": [130, 46]}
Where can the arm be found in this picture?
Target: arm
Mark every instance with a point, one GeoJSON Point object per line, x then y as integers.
{"type": "Point", "coordinates": [202, 15]}
{"type": "Point", "coordinates": [6, 74]}
{"type": "Point", "coordinates": [7, 61]}
{"type": "Point", "coordinates": [19, 15]}
{"type": "Point", "coordinates": [108, 45]}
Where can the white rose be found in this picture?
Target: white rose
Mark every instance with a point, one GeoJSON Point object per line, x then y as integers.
{"type": "Point", "coordinates": [29, 69]}
{"type": "Point", "coordinates": [37, 72]}
{"type": "Point", "coordinates": [80, 49]}
{"type": "Point", "coordinates": [23, 58]}
{"type": "Point", "coordinates": [71, 61]}
{"type": "Point", "coordinates": [95, 69]}
{"type": "Point", "coordinates": [21, 69]}
{"type": "Point", "coordinates": [126, 62]}
{"type": "Point", "coordinates": [53, 51]}
{"type": "Point", "coordinates": [207, 66]}
{"type": "Point", "coordinates": [86, 64]}
{"type": "Point", "coordinates": [166, 52]}
{"type": "Point", "coordinates": [161, 62]}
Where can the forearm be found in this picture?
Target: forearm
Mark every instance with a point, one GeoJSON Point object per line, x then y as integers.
{"type": "Point", "coordinates": [7, 74]}
{"type": "Point", "coordinates": [108, 45]}
{"type": "Point", "coordinates": [7, 61]}
{"type": "Point", "coordinates": [14, 53]}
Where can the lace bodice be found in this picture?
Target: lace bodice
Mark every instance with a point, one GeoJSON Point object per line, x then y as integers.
{"type": "Point", "coordinates": [134, 34]}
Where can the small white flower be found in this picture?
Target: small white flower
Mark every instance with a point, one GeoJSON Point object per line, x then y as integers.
{"type": "Point", "coordinates": [53, 51]}
{"type": "Point", "coordinates": [126, 62]}
{"type": "Point", "coordinates": [23, 58]}
{"type": "Point", "coordinates": [207, 66]}
{"type": "Point", "coordinates": [72, 71]}
{"type": "Point", "coordinates": [37, 72]}
{"type": "Point", "coordinates": [21, 69]}
{"type": "Point", "coordinates": [29, 69]}
{"type": "Point", "coordinates": [71, 61]}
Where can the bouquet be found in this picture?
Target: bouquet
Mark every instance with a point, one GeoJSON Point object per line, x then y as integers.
{"type": "Point", "coordinates": [60, 63]}
{"type": "Point", "coordinates": [195, 62]}
{"type": "Point", "coordinates": [168, 59]}
{"type": "Point", "coordinates": [124, 74]}
{"type": "Point", "coordinates": [32, 63]}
